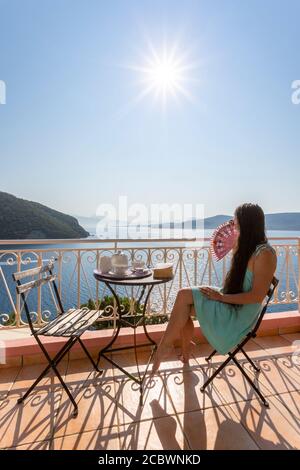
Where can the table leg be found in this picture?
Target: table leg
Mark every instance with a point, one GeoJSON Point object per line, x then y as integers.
{"type": "Point", "coordinates": [148, 337]}
{"type": "Point", "coordinates": [117, 331]}
{"type": "Point", "coordinates": [144, 317]}
{"type": "Point", "coordinates": [108, 348]}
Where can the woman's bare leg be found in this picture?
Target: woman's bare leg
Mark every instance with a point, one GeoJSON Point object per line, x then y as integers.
{"type": "Point", "coordinates": [179, 316]}
{"type": "Point", "coordinates": [187, 334]}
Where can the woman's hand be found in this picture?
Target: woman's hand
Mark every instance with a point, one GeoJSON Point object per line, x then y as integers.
{"type": "Point", "coordinates": [211, 294]}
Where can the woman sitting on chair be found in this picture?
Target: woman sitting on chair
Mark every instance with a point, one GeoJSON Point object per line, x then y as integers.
{"type": "Point", "coordinates": [226, 314]}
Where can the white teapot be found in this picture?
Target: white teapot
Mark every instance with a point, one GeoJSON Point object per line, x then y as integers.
{"type": "Point", "coordinates": [105, 264]}
{"type": "Point", "coordinates": [119, 262]}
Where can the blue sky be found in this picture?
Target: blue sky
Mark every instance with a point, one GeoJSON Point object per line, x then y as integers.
{"type": "Point", "coordinates": [72, 136]}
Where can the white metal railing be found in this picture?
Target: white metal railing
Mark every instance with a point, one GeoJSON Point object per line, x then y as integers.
{"type": "Point", "coordinates": [76, 260]}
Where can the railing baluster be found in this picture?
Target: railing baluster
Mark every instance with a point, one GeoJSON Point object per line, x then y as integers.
{"type": "Point", "coordinates": [298, 253]}
{"type": "Point", "coordinates": [18, 298]}
{"type": "Point", "coordinates": [288, 297]}
{"type": "Point", "coordinates": [59, 272]}
{"type": "Point", "coordinates": [78, 277]}
{"type": "Point", "coordinates": [39, 294]}
{"type": "Point", "coordinates": [209, 267]}
{"type": "Point", "coordinates": [195, 266]}
{"type": "Point", "coordinates": [97, 283]}
{"type": "Point", "coordinates": [180, 267]}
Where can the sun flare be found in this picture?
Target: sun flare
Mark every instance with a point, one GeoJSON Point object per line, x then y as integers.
{"type": "Point", "coordinates": [164, 73]}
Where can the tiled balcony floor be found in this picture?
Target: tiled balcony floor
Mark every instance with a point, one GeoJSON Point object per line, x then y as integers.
{"type": "Point", "coordinates": [176, 415]}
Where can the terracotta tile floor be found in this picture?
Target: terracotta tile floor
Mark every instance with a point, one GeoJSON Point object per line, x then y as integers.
{"type": "Point", "coordinates": [175, 415]}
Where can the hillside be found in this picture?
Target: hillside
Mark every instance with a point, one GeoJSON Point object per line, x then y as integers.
{"type": "Point", "coordinates": [215, 221]}
{"type": "Point", "coordinates": [281, 221]}
{"type": "Point", "coordinates": [21, 219]}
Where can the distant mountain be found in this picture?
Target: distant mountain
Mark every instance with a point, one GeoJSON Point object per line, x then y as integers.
{"type": "Point", "coordinates": [283, 221]}
{"type": "Point", "coordinates": [289, 221]}
{"type": "Point", "coordinates": [21, 219]}
{"type": "Point", "coordinates": [213, 222]}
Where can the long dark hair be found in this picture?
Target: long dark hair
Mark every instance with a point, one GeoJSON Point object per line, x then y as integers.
{"type": "Point", "coordinates": [251, 221]}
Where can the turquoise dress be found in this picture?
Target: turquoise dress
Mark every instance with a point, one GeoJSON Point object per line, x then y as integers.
{"type": "Point", "coordinates": [224, 325]}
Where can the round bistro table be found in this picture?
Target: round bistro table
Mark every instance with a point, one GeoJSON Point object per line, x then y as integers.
{"type": "Point", "coordinates": [143, 283]}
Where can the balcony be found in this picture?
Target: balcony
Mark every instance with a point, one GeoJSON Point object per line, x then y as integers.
{"type": "Point", "coordinates": [175, 415]}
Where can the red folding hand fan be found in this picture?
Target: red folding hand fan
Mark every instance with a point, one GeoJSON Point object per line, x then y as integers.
{"type": "Point", "coordinates": [223, 239]}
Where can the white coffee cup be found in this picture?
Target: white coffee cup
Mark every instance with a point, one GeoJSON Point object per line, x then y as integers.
{"type": "Point", "coordinates": [138, 265]}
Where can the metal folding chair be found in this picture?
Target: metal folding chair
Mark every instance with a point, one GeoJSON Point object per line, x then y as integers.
{"type": "Point", "coordinates": [239, 348]}
{"type": "Point", "coordinates": [70, 324]}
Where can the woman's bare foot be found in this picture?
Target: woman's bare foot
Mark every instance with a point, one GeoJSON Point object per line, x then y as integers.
{"type": "Point", "coordinates": [184, 358]}
{"type": "Point", "coordinates": [186, 352]}
{"type": "Point", "coordinates": [162, 352]}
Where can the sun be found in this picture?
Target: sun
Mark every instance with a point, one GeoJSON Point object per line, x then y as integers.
{"type": "Point", "coordinates": [164, 73]}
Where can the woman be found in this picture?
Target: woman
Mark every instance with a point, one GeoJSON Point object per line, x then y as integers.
{"type": "Point", "coordinates": [226, 315]}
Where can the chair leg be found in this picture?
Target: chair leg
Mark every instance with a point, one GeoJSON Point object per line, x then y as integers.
{"type": "Point", "coordinates": [52, 365]}
{"type": "Point", "coordinates": [266, 404]}
{"type": "Point", "coordinates": [55, 360]}
{"type": "Point", "coordinates": [75, 411]}
{"type": "Point", "coordinates": [250, 360]}
{"type": "Point", "coordinates": [45, 371]}
{"type": "Point", "coordinates": [210, 356]}
{"type": "Point", "coordinates": [215, 374]}
{"type": "Point", "coordinates": [231, 357]}
{"type": "Point", "coordinates": [90, 357]}
{"type": "Point", "coordinates": [98, 359]}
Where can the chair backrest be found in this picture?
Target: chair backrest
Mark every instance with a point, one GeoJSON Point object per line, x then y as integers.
{"type": "Point", "coordinates": [44, 275]}
{"type": "Point", "coordinates": [269, 296]}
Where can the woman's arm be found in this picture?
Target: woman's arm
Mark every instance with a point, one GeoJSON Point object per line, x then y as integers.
{"type": "Point", "coordinates": [264, 268]}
